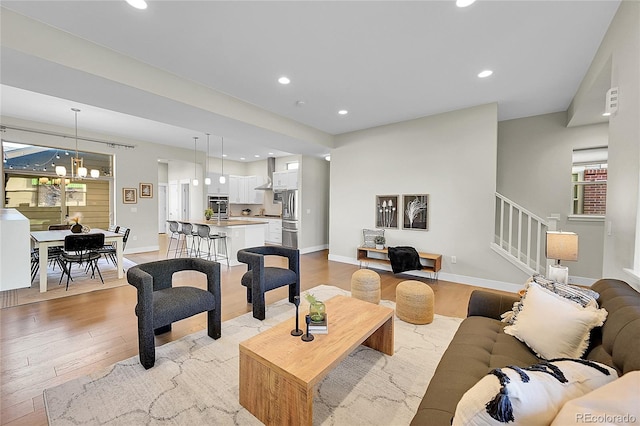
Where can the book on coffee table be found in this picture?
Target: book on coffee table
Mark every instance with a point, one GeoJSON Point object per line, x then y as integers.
{"type": "Point", "coordinates": [320, 327]}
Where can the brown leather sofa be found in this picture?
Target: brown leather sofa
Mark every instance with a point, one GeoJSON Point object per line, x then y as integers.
{"type": "Point", "coordinates": [481, 345]}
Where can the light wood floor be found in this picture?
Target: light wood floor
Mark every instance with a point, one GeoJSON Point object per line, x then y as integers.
{"type": "Point", "coordinates": [48, 343]}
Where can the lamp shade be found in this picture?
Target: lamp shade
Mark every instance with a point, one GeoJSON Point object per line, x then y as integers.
{"type": "Point", "coordinates": [562, 245]}
{"type": "Point", "coordinates": [61, 171]}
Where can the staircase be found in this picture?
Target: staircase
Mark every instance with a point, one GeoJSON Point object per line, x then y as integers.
{"type": "Point", "coordinates": [519, 236]}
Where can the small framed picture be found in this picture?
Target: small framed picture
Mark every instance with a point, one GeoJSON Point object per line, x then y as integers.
{"type": "Point", "coordinates": [415, 212]}
{"type": "Point", "coordinates": [129, 195]}
{"type": "Point", "coordinates": [387, 211]}
{"type": "Point", "coordinates": [146, 190]}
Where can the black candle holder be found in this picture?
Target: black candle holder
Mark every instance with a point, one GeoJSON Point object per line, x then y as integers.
{"type": "Point", "coordinates": [297, 331]}
{"type": "Point", "coordinates": [307, 337]}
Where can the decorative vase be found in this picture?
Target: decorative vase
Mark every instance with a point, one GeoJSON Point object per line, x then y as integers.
{"type": "Point", "coordinates": [379, 246]}
{"type": "Point", "coordinates": [208, 217]}
{"type": "Point", "coordinates": [76, 229]}
{"type": "Point", "coordinates": [317, 311]}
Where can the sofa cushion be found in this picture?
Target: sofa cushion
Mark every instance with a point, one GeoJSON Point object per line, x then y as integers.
{"type": "Point", "coordinates": [613, 403]}
{"type": "Point", "coordinates": [532, 395]}
{"type": "Point", "coordinates": [554, 326]}
{"type": "Point", "coordinates": [478, 346]}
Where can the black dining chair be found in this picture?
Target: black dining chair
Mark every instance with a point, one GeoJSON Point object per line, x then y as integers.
{"type": "Point", "coordinates": [110, 250]}
{"type": "Point", "coordinates": [81, 248]}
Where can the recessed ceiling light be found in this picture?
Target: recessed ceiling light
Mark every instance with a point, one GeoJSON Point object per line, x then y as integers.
{"type": "Point", "coordinates": [224, 155]}
{"type": "Point", "coordinates": [606, 114]}
{"type": "Point", "coordinates": [284, 80]}
{"type": "Point", "coordinates": [138, 4]}
{"type": "Point", "coordinates": [271, 153]}
{"type": "Point", "coordinates": [343, 112]}
{"type": "Point", "coordinates": [464, 3]}
{"type": "Point", "coordinates": [257, 156]}
{"type": "Point", "coordinates": [485, 73]}
{"type": "Point", "coordinates": [242, 158]}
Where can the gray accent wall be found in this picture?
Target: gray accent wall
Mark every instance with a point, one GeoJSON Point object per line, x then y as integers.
{"type": "Point", "coordinates": [451, 157]}
{"type": "Point", "coordinates": [534, 170]}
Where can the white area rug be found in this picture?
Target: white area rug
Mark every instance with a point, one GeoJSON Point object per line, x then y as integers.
{"type": "Point", "coordinates": [195, 379]}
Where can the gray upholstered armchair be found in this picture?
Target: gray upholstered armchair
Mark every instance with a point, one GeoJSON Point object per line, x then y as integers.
{"type": "Point", "coordinates": [160, 304]}
{"type": "Point", "coordinates": [260, 279]}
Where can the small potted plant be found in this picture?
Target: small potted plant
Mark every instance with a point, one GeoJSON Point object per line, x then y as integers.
{"type": "Point", "coordinates": [208, 213]}
{"type": "Point", "coordinates": [379, 240]}
{"type": "Point", "coordinates": [317, 309]}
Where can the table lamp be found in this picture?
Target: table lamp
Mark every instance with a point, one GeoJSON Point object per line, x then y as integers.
{"type": "Point", "coordinates": [561, 246]}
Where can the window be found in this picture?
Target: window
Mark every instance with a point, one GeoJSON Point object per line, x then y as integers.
{"type": "Point", "coordinates": [589, 182]}
{"type": "Point", "coordinates": [293, 165]}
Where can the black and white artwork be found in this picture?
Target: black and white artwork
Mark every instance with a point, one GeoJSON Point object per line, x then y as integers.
{"type": "Point", "coordinates": [415, 211]}
{"type": "Point", "coordinates": [387, 210]}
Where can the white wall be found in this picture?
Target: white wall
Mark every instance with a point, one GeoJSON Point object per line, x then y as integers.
{"type": "Point", "coordinates": [314, 203]}
{"type": "Point", "coordinates": [621, 46]}
{"type": "Point", "coordinates": [451, 157]}
{"type": "Point", "coordinates": [534, 170]}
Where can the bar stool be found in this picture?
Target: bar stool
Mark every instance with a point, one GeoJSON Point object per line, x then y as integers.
{"type": "Point", "coordinates": [204, 233]}
{"type": "Point", "coordinates": [186, 230]}
{"type": "Point", "coordinates": [174, 234]}
{"type": "Point", "coordinates": [222, 238]}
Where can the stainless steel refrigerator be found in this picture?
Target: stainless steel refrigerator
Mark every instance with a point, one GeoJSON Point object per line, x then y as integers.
{"type": "Point", "coordinates": [290, 218]}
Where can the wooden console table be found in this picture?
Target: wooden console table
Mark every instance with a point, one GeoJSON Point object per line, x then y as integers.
{"type": "Point", "coordinates": [374, 255]}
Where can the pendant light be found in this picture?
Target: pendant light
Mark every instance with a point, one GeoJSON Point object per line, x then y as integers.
{"type": "Point", "coordinates": [195, 164]}
{"type": "Point", "coordinates": [207, 179]}
{"type": "Point", "coordinates": [222, 178]}
{"type": "Point", "coordinates": [77, 163]}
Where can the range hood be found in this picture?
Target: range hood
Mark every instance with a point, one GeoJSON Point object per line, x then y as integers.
{"type": "Point", "coordinates": [271, 167]}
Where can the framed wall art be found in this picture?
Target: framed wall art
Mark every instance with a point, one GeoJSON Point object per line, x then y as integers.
{"type": "Point", "coordinates": [387, 211]}
{"type": "Point", "coordinates": [129, 195]}
{"type": "Point", "coordinates": [146, 190]}
{"type": "Point", "coordinates": [415, 211]}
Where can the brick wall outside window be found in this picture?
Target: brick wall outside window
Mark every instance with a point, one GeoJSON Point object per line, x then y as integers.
{"type": "Point", "coordinates": [595, 196]}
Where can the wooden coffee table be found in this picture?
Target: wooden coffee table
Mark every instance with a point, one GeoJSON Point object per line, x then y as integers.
{"type": "Point", "coordinates": [278, 372]}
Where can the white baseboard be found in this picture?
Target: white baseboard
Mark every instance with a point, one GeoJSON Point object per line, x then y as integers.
{"type": "Point", "coordinates": [314, 249]}
{"type": "Point", "coordinates": [462, 279]}
{"type": "Point", "coordinates": [141, 249]}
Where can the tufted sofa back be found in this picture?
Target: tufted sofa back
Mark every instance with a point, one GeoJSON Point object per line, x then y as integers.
{"type": "Point", "coordinates": [617, 342]}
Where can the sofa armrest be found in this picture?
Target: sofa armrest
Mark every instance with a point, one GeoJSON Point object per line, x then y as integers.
{"type": "Point", "coordinates": [491, 305]}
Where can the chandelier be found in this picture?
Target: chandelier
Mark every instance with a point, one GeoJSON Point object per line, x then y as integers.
{"type": "Point", "coordinates": [78, 170]}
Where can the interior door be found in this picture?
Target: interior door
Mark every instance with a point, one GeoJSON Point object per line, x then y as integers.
{"type": "Point", "coordinates": [184, 201]}
{"type": "Point", "coordinates": [163, 208]}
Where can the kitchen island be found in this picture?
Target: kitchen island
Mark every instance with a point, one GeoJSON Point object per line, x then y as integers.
{"type": "Point", "coordinates": [240, 234]}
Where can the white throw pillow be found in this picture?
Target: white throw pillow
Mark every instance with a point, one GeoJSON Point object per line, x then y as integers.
{"type": "Point", "coordinates": [552, 326]}
{"type": "Point", "coordinates": [531, 395]}
{"type": "Point", "coordinates": [613, 403]}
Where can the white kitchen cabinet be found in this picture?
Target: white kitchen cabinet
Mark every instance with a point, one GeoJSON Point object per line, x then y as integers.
{"type": "Point", "coordinates": [287, 179]}
{"type": "Point", "coordinates": [275, 231]}
{"type": "Point", "coordinates": [242, 190]}
{"type": "Point", "coordinates": [217, 188]}
{"type": "Point", "coordinates": [234, 190]}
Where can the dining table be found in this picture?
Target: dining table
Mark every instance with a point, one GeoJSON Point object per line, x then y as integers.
{"type": "Point", "coordinates": [55, 238]}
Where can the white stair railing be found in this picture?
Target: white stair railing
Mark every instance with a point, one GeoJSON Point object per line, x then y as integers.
{"type": "Point", "coordinates": [519, 236]}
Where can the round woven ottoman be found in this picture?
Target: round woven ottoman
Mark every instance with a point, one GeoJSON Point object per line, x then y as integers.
{"type": "Point", "coordinates": [414, 302]}
{"type": "Point", "coordinates": [365, 285]}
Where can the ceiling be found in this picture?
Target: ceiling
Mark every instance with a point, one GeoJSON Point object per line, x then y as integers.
{"type": "Point", "coordinates": [383, 61]}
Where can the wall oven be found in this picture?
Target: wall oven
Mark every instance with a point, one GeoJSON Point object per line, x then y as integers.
{"type": "Point", "coordinates": [220, 206]}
